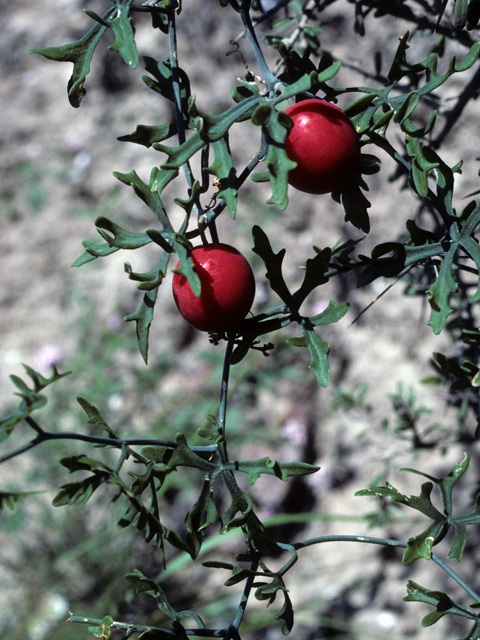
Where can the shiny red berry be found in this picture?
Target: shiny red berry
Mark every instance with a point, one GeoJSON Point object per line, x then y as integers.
{"type": "Point", "coordinates": [324, 144]}
{"type": "Point", "coordinates": [227, 289]}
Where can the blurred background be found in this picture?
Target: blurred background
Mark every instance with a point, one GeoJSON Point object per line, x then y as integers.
{"type": "Point", "coordinates": [56, 167]}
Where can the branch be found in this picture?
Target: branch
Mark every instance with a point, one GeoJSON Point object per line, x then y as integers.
{"type": "Point", "coordinates": [134, 628]}
{"type": "Point", "coordinates": [388, 543]}
{"type": "Point", "coordinates": [45, 436]}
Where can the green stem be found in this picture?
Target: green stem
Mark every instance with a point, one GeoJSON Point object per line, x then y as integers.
{"type": "Point", "coordinates": [222, 413]}
{"type": "Point", "coordinates": [203, 633]}
{"type": "Point", "coordinates": [177, 94]}
{"type": "Point", "coordinates": [121, 459]}
{"type": "Point", "coordinates": [172, 43]}
{"type": "Point", "coordinates": [209, 217]}
{"type": "Point", "coordinates": [45, 436]}
{"type": "Point", "coordinates": [232, 631]}
{"type": "Point", "coordinates": [388, 543]}
{"type": "Point", "coordinates": [271, 80]}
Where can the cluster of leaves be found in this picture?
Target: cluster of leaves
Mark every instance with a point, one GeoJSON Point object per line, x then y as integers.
{"type": "Point", "coordinates": [421, 545]}
{"type": "Point", "coordinates": [140, 488]}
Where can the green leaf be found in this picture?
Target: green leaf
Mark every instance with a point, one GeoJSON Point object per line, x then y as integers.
{"type": "Point", "coordinates": [118, 237]}
{"type": "Point", "coordinates": [273, 262]}
{"type": "Point", "coordinates": [285, 615]}
{"type": "Point", "coordinates": [148, 135]}
{"type": "Point", "coordinates": [149, 193]}
{"type": "Point", "coordinates": [355, 205]}
{"type": "Point", "coordinates": [182, 456]}
{"type": "Point", "coordinates": [281, 470]}
{"type": "Point", "coordinates": [407, 107]}
{"type": "Point", "coordinates": [148, 281]}
{"type": "Point", "coordinates": [162, 72]}
{"type": "Point", "coordinates": [124, 29]}
{"type": "Point", "coordinates": [79, 492]}
{"type": "Point", "coordinates": [315, 270]}
{"type": "Point", "coordinates": [143, 319]}
{"type": "Point", "coordinates": [103, 630]}
{"type": "Point", "coordinates": [439, 294]}
{"type": "Point", "coordinates": [32, 399]}
{"type": "Point", "coordinates": [8, 424]}
{"type": "Point", "coordinates": [202, 515]}
{"type": "Point", "coordinates": [93, 251]}
{"type": "Point", "coordinates": [318, 351]}
{"type": "Point", "coordinates": [10, 498]}
{"type": "Point", "coordinates": [80, 53]}
{"type": "Point", "coordinates": [224, 171]}
{"type": "Point", "coordinates": [441, 601]}
{"type": "Point", "coordinates": [276, 128]}
{"type": "Point", "coordinates": [150, 587]}
{"type": "Point", "coordinates": [93, 414]}
{"type": "Point", "coordinates": [461, 10]}
{"type": "Point", "coordinates": [333, 313]}
{"type": "Point", "coordinates": [420, 546]}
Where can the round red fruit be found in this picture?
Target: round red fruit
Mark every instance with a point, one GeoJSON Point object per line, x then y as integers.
{"type": "Point", "coordinates": [324, 144]}
{"type": "Point", "coordinates": [227, 289]}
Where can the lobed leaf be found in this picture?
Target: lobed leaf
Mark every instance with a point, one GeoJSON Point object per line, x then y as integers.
{"type": "Point", "coordinates": [79, 492]}
{"type": "Point", "coordinates": [80, 53]}
{"type": "Point", "coordinates": [281, 470]}
{"type": "Point", "coordinates": [224, 171]}
{"type": "Point", "coordinates": [202, 515]}
{"type": "Point", "coordinates": [146, 585]}
{"type": "Point", "coordinates": [318, 351]}
{"type": "Point", "coordinates": [439, 294]}
{"type": "Point", "coordinates": [10, 498]}
{"type": "Point", "coordinates": [104, 629]}
{"type": "Point", "coordinates": [32, 399]}
{"type": "Point", "coordinates": [273, 262]}
{"type": "Point", "coordinates": [315, 275]}
{"type": "Point", "coordinates": [441, 601]}
{"type": "Point", "coordinates": [143, 319]}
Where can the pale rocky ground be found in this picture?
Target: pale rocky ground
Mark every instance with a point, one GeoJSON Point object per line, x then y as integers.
{"type": "Point", "coordinates": [56, 166]}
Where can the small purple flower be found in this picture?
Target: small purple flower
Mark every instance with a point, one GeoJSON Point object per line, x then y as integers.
{"type": "Point", "coordinates": [295, 431]}
{"type": "Point", "coordinates": [47, 356]}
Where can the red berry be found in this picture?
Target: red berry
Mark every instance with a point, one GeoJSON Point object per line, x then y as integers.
{"type": "Point", "coordinates": [227, 289]}
{"type": "Point", "coordinates": [324, 144]}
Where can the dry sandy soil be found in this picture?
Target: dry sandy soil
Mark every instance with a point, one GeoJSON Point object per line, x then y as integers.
{"type": "Point", "coordinates": [56, 165]}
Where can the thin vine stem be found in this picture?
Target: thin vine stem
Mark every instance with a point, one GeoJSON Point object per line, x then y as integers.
{"type": "Point", "coordinates": [177, 95]}
{"type": "Point", "coordinates": [271, 80]}
{"type": "Point", "coordinates": [388, 543]}
{"type": "Point", "coordinates": [46, 436]}
{"type": "Point", "coordinates": [232, 631]}
{"type": "Point", "coordinates": [222, 413]}
{"type": "Point", "coordinates": [133, 628]}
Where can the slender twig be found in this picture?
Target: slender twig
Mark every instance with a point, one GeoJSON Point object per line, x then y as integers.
{"type": "Point", "coordinates": [202, 633]}
{"type": "Point", "coordinates": [232, 631]}
{"type": "Point", "coordinates": [46, 436]}
{"type": "Point", "coordinates": [271, 80]}
{"type": "Point", "coordinates": [177, 95]}
{"type": "Point", "coordinates": [382, 293]}
{"type": "Point", "coordinates": [222, 412]}
{"type": "Point", "coordinates": [121, 459]}
{"type": "Point", "coordinates": [388, 543]}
